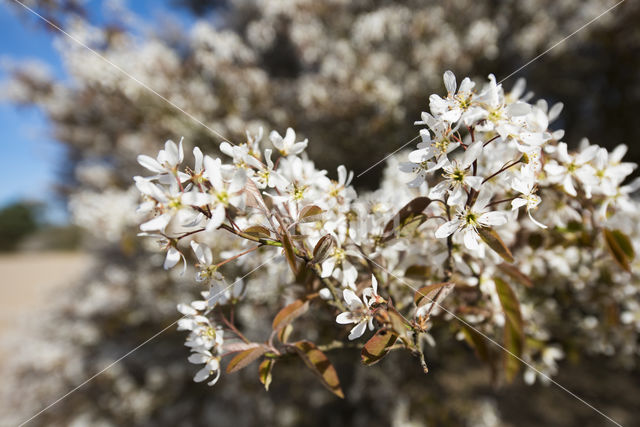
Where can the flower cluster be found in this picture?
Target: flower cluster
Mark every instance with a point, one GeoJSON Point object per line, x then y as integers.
{"type": "Point", "coordinates": [456, 251]}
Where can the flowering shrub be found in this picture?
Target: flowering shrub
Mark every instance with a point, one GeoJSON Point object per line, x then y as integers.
{"type": "Point", "coordinates": [350, 76]}
{"type": "Point", "coordinates": [492, 203]}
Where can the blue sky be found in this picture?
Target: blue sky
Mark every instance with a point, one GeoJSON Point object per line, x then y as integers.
{"type": "Point", "coordinates": [30, 157]}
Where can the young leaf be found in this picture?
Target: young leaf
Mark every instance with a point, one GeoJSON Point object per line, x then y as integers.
{"type": "Point", "coordinates": [264, 372]}
{"type": "Point", "coordinates": [243, 359]}
{"type": "Point", "coordinates": [493, 240]}
{"type": "Point", "coordinates": [477, 342]}
{"type": "Point", "coordinates": [284, 333]}
{"type": "Point", "coordinates": [378, 346]}
{"type": "Point", "coordinates": [258, 231]}
{"type": "Point", "coordinates": [513, 272]}
{"type": "Point", "coordinates": [409, 214]}
{"type": "Point", "coordinates": [321, 366]}
{"type": "Point", "coordinates": [235, 347]}
{"type": "Point", "coordinates": [289, 313]}
{"type": "Point", "coordinates": [287, 244]}
{"type": "Point", "coordinates": [514, 342]}
{"type": "Point", "coordinates": [417, 272]}
{"type": "Point", "coordinates": [254, 197]}
{"type": "Point", "coordinates": [431, 296]}
{"type": "Point", "coordinates": [399, 324]}
{"type": "Point", "coordinates": [429, 292]}
{"type": "Point", "coordinates": [310, 213]}
{"type": "Point", "coordinates": [323, 248]}
{"type": "Point", "coordinates": [513, 327]}
{"type": "Point", "coordinates": [620, 247]}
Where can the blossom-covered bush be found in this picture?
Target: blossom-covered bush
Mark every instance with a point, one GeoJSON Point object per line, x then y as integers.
{"type": "Point", "coordinates": [350, 76]}
{"type": "Point", "coordinates": [461, 253]}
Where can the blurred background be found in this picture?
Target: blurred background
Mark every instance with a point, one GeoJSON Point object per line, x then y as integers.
{"type": "Point", "coordinates": [79, 289]}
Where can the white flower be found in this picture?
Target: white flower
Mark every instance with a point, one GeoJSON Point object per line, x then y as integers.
{"type": "Point", "coordinates": [455, 104]}
{"type": "Point", "coordinates": [221, 292]}
{"type": "Point", "coordinates": [359, 310]}
{"type": "Point", "coordinates": [458, 177]}
{"type": "Point", "coordinates": [468, 220]}
{"type": "Point", "coordinates": [440, 144]}
{"type": "Point", "coordinates": [571, 166]}
{"type": "Point", "coordinates": [421, 170]}
{"type": "Point", "coordinates": [288, 144]}
{"type": "Point", "coordinates": [166, 163]}
{"type": "Point", "coordinates": [205, 340]}
{"type": "Point", "coordinates": [173, 204]}
{"type": "Point", "coordinates": [338, 266]}
{"type": "Point", "coordinates": [524, 183]}
{"type": "Point", "coordinates": [340, 192]}
{"type": "Point", "coordinates": [222, 193]}
{"type": "Point", "coordinates": [610, 172]}
{"type": "Point", "coordinates": [203, 335]}
{"type": "Point", "coordinates": [172, 258]}
{"type": "Point", "coordinates": [266, 176]}
{"type": "Point", "coordinates": [208, 270]}
{"type": "Point", "coordinates": [211, 366]}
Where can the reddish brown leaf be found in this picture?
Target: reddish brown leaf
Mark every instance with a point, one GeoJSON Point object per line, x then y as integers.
{"type": "Point", "coordinates": [409, 214]}
{"type": "Point", "coordinates": [323, 248]}
{"type": "Point", "coordinates": [513, 272]}
{"type": "Point", "coordinates": [493, 240]}
{"type": "Point", "coordinates": [321, 366]}
{"type": "Point", "coordinates": [310, 213]}
{"type": "Point", "coordinates": [258, 231]}
{"type": "Point", "coordinates": [428, 293]}
{"type": "Point", "coordinates": [243, 359]}
{"type": "Point", "coordinates": [284, 333]}
{"type": "Point", "coordinates": [378, 346]}
{"type": "Point", "coordinates": [289, 313]}
{"type": "Point", "coordinates": [287, 244]}
{"type": "Point", "coordinates": [398, 324]}
{"type": "Point", "coordinates": [254, 197]}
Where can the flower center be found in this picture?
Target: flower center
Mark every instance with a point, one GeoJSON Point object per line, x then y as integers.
{"type": "Point", "coordinates": [223, 197]}
{"type": "Point", "coordinates": [175, 203]}
{"type": "Point", "coordinates": [471, 219]}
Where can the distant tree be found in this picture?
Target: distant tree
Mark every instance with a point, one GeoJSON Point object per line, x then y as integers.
{"type": "Point", "coordinates": [17, 221]}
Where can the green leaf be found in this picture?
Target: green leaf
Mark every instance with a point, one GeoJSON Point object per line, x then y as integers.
{"type": "Point", "coordinates": [320, 365]}
{"type": "Point", "coordinates": [513, 327]}
{"type": "Point", "coordinates": [513, 272]}
{"type": "Point", "coordinates": [378, 346]}
{"type": "Point", "coordinates": [243, 359]}
{"type": "Point", "coordinates": [289, 313]}
{"type": "Point", "coordinates": [493, 240]}
{"type": "Point", "coordinates": [264, 372]}
{"type": "Point", "coordinates": [310, 213]}
{"type": "Point", "coordinates": [410, 215]}
{"type": "Point", "coordinates": [258, 231]}
{"type": "Point", "coordinates": [620, 247]}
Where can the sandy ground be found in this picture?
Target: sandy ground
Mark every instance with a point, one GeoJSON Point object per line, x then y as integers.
{"type": "Point", "coordinates": [28, 279]}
